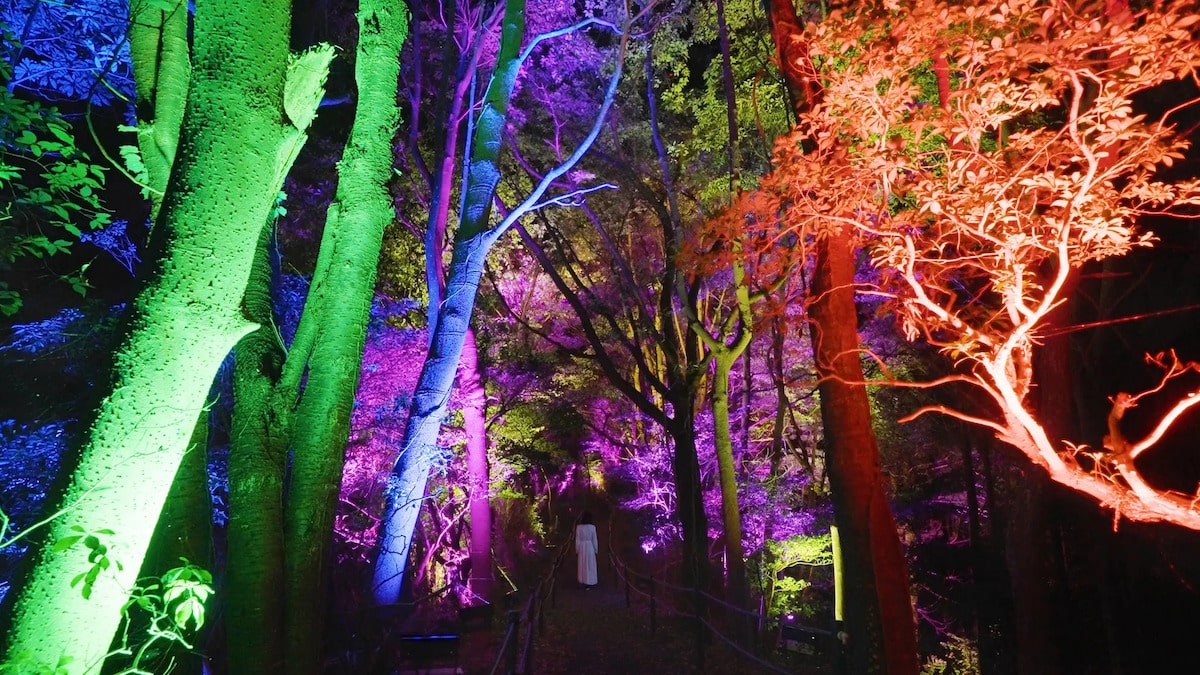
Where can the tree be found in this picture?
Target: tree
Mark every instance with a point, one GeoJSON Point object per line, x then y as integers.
{"type": "Point", "coordinates": [248, 106]}
{"type": "Point", "coordinates": [472, 241]}
{"type": "Point", "coordinates": [455, 92]}
{"type": "Point", "coordinates": [162, 67]}
{"type": "Point", "coordinates": [978, 210]}
{"type": "Point", "coordinates": [878, 610]}
{"type": "Point", "coordinates": [1015, 177]}
{"type": "Point", "coordinates": [281, 520]}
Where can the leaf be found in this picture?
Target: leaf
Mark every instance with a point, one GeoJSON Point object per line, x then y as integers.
{"type": "Point", "coordinates": [189, 610]}
{"type": "Point", "coordinates": [64, 543]}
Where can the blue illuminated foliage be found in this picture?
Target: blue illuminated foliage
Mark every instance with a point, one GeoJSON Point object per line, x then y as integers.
{"type": "Point", "coordinates": [39, 337]}
{"type": "Point", "coordinates": [29, 455]}
{"type": "Point", "coordinates": [114, 240]}
{"type": "Point", "coordinates": [76, 50]}
{"type": "Point", "coordinates": [288, 295]}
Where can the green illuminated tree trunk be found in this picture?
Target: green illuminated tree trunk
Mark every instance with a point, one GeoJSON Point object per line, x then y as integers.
{"type": "Point", "coordinates": [332, 329]}
{"type": "Point", "coordinates": [726, 352]}
{"type": "Point", "coordinates": [184, 530]}
{"type": "Point", "coordinates": [253, 588]}
{"type": "Point", "coordinates": [162, 67]}
{"type": "Point", "coordinates": [242, 125]}
{"type": "Point", "coordinates": [279, 558]}
{"type": "Point", "coordinates": [731, 515]}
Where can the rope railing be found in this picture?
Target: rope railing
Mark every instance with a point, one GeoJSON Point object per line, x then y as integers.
{"type": "Point", "coordinates": [518, 659]}
{"type": "Point", "coordinates": [648, 586]}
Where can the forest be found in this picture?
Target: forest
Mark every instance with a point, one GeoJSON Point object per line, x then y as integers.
{"type": "Point", "coordinates": [324, 323]}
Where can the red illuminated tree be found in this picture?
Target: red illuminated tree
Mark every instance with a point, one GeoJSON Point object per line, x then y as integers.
{"type": "Point", "coordinates": [977, 204]}
{"type": "Point", "coordinates": [878, 609]}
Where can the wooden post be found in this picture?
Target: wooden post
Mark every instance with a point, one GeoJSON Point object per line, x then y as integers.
{"type": "Point", "coordinates": [699, 600]}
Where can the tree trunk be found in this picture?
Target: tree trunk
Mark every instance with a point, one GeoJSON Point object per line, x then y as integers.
{"type": "Point", "coordinates": [158, 47]}
{"type": "Point", "coordinates": [470, 384]}
{"type": "Point", "coordinates": [253, 585]}
{"type": "Point", "coordinates": [235, 147]}
{"type": "Point", "coordinates": [1033, 576]}
{"type": "Point", "coordinates": [731, 516]}
{"type": "Point", "coordinates": [183, 532]}
{"type": "Point", "coordinates": [471, 245]}
{"type": "Point", "coordinates": [689, 504]}
{"type": "Point", "coordinates": [879, 616]}
{"type": "Point", "coordinates": [332, 331]}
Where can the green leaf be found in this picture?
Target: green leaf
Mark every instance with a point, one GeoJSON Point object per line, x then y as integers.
{"type": "Point", "coordinates": [64, 544]}
{"type": "Point", "coordinates": [62, 134]}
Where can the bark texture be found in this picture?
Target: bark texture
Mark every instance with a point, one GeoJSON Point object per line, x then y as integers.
{"type": "Point", "coordinates": [257, 457]}
{"type": "Point", "coordinates": [332, 331]}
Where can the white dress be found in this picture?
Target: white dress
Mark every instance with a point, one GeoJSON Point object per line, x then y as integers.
{"type": "Point", "coordinates": [586, 546]}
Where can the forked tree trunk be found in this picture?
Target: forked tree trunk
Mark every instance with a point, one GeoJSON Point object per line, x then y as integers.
{"type": "Point", "coordinates": [333, 330]}
{"type": "Point", "coordinates": [280, 533]}
{"type": "Point", "coordinates": [253, 584]}
{"type": "Point", "coordinates": [237, 143]}
{"type": "Point", "coordinates": [450, 321]}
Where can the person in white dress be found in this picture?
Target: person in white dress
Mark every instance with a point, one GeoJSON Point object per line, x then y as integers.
{"type": "Point", "coordinates": [586, 546]}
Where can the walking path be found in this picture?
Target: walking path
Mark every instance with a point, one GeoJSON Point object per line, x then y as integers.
{"type": "Point", "coordinates": [592, 631]}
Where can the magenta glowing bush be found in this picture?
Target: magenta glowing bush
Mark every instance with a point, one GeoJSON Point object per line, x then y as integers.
{"type": "Point", "coordinates": [392, 360]}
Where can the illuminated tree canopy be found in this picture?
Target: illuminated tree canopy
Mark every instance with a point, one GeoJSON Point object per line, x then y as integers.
{"type": "Point", "coordinates": [978, 207]}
